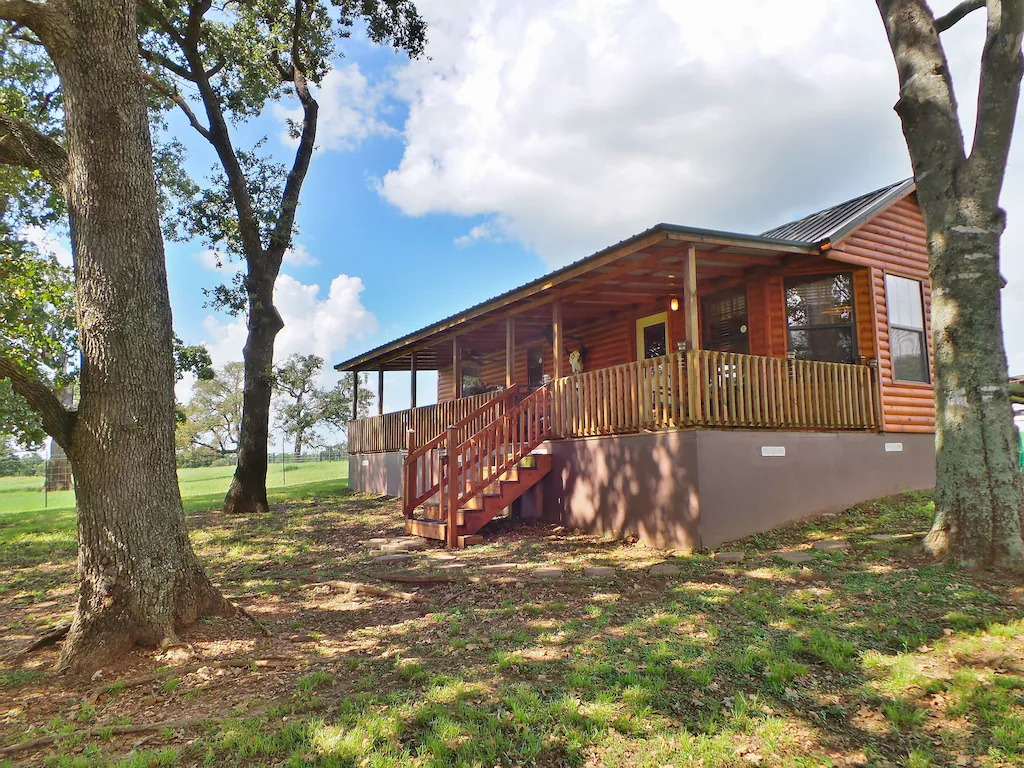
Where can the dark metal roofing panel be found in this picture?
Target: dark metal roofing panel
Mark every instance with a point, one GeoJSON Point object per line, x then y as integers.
{"type": "Point", "coordinates": [743, 243]}
{"type": "Point", "coordinates": [835, 222]}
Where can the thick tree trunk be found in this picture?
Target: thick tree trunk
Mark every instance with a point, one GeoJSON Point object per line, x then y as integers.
{"type": "Point", "coordinates": [248, 491]}
{"type": "Point", "coordinates": [139, 578]}
{"type": "Point", "coordinates": [979, 505]}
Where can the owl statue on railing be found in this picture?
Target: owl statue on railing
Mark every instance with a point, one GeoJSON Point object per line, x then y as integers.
{"type": "Point", "coordinates": [576, 361]}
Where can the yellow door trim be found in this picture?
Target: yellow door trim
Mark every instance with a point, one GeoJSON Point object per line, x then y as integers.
{"type": "Point", "coordinates": [647, 322]}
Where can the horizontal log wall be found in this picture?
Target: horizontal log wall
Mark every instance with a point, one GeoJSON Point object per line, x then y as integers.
{"type": "Point", "coordinates": [895, 242]}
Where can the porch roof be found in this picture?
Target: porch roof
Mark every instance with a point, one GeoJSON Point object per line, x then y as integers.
{"type": "Point", "coordinates": [638, 269]}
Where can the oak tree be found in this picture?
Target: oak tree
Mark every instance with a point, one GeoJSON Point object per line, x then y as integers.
{"type": "Point", "coordinates": [222, 65]}
{"type": "Point", "coordinates": [139, 579]}
{"type": "Point", "coordinates": [979, 518]}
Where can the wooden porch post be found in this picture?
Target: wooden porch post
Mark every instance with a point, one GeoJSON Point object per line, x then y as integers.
{"type": "Point", "coordinates": [355, 395]}
{"type": "Point", "coordinates": [556, 333]}
{"type": "Point", "coordinates": [510, 351]}
{"type": "Point", "coordinates": [380, 391]}
{"type": "Point", "coordinates": [690, 299]}
{"type": "Point", "coordinates": [456, 367]}
{"type": "Point", "coordinates": [412, 380]}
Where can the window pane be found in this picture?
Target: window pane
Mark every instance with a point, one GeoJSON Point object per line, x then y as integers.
{"type": "Point", "coordinates": [834, 345]}
{"type": "Point", "coordinates": [654, 341]}
{"type": "Point", "coordinates": [820, 301]}
{"type": "Point", "coordinates": [725, 321]}
{"type": "Point", "coordinates": [908, 355]}
{"type": "Point", "coordinates": [904, 300]}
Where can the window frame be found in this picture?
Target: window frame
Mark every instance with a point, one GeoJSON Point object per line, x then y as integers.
{"type": "Point", "coordinates": [922, 331]}
{"type": "Point", "coordinates": [852, 325]}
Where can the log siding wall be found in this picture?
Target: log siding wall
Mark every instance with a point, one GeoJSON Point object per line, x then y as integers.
{"type": "Point", "coordinates": [895, 242]}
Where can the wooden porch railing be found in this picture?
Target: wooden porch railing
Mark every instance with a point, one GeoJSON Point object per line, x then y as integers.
{"type": "Point", "coordinates": [715, 389]}
{"type": "Point", "coordinates": [421, 474]}
{"type": "Point", "coordinates": [379, 434]}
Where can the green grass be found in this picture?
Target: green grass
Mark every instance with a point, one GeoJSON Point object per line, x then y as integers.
{"type": "Point", "coordinates": [198, 486]}
{"type": "Point", "coordinates": [884, 658]}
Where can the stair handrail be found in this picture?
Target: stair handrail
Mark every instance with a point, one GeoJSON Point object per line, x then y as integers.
{"type": "Point", "coordinates": [410, 499]}
{"type": "Point", "coordinates": [538, 406]}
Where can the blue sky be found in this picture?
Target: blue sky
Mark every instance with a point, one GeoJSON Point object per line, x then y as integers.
{"type": "Point", "coordinates": [540, 131]}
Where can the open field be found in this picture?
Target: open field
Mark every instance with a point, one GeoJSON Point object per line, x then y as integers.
{"type": "Point", "coordinates": [198, 486]}
{"type": "Point", "coordinates": [870, 655]}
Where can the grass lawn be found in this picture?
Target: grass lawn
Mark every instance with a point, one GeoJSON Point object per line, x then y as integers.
{"type": "Point", "coordinates": [866, 656]}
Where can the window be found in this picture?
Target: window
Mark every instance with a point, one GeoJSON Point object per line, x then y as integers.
{"type": "Point", "coordinates": [819, 311]}
{"type": "Point", "coordinates": [534, 367]}
{"type": "Point", "coordinates": [907, 344]}
{"type": "Point", "coordinates": [652, 336]}
{"type": "Point", "coordinates": [725, 321]}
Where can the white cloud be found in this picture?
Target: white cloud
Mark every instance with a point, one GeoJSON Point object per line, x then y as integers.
{"type": "Point", "coordinates": [490, 230]}
{"type": "Point", "coordinates": [49, 243]}
{"type": "Point", "coordinates": [299, 256]}
{"type": "Point", "coordinates": [312, 325]}
{"type": "Point", "coordinates": [350, 110]}
{"type": "Point", "coordinates": [571, 124]}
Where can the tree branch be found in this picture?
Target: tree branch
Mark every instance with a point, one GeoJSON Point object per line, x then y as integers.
{"type": "Point", "coordinates": [948, 20]}
{"type": "Point", "coordinates": [927, 105]}
{"type": "Point", "coordinates": [180, 101]}
{"type": "Point", "coordinates": [281, 237]}
{"type": "Point", "coordinates": [57, 420]}
{"type": "Point", "coordinates": [220, 138]}
{"type": "Point", "coordinates": [158, 59]}
{"type": "Point", "coordinates": [158, 16]}
{"type": "Point", "coordinates": [998, 94]}
{"type": "Point", "coordinates": [23, 146]}
{"type": "Point", "coordinates": [35, 16]}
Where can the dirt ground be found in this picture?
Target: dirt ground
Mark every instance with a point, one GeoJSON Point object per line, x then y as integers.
{"type": "Point", "coordinates": [867, 655]}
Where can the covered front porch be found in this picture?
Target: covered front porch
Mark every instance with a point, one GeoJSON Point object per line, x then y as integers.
{"type": "Point", "coordinates": [676, 328]}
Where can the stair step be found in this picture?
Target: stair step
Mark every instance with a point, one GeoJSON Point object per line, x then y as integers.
{"type": "Point", "coordinates": [428, 529]}
{"type": "Point", "coordinates": [470, 539]}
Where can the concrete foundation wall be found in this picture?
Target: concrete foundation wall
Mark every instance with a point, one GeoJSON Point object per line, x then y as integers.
{"type": "Point", "coordinates": [376, 472]}
{"type": "Point", "coordinates": [692, 489]}
{"type": "Point", "coordinates": [743, 492]}
{"type": "Point", "coordinates": [644, 485]}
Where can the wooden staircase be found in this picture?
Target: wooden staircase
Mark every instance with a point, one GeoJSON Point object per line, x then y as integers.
{"type": "Point", "coordinates": [462, 479]}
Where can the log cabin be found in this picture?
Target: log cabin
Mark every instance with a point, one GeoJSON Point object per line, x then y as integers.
{"type": "Point", "coordinates": [686, 386]}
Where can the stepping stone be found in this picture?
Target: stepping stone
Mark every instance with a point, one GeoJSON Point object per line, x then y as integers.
{"type": "Point", "coordinates": [375, 543]}
{"type": "Point", "coordinates": [831, 545]}
{"type": "Point", "coordinates": [451, 566]}
{"type": "Point", "coordinates": [794, 555]}
{"type": "Point", "coordinates": [395, 558]}
{"type": "Point", "coordinates": [598, 572]}
{"type": "Point", "coordinates": [395, 546]}
{"type": "Point", "coordinates": [729, 557]}
{"type": "Point", "coordinates": [411, 544]}
{"type": "Point", "coordinates": [548, 573]}
{"type": "Point", "coordinates": [443, 556]}
{"type": "Point", "coordinates": [892, 536]}
{"type": "Point", "coordinates": [499, 567]}
{"type": "Point", "coordinates": [663, 569]}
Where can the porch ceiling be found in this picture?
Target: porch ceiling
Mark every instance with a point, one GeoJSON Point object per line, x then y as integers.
{"type": "Point", "coordinates": [644, 269]}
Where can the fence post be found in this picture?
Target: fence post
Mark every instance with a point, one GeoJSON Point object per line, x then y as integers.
{"type": "Point", "coordinates": [453, 486]}
{"type": "Point", "coordinates": [409, 473]}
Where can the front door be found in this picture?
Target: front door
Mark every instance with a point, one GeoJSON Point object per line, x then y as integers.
{"type": "Point", "coordinates": [725, 321]}
{"type": "Point", "coordinates": [652, 336]}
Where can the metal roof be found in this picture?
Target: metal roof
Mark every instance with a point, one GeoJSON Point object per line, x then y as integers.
{"type": "Point", "coordinates": [836, 222]}
{"type": "Point", "coordinates": [727, 240]}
